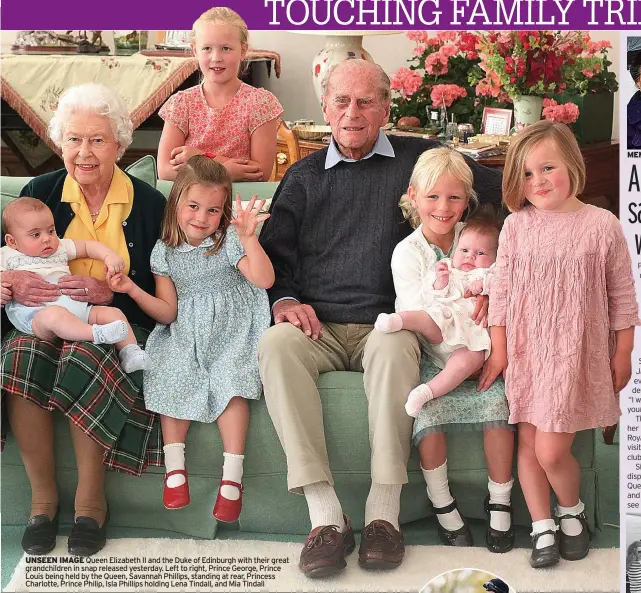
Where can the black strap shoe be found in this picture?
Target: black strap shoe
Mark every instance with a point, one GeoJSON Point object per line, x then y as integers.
{"type": "Point", "coordinates": [497, 541]}
{"type": "Point", "coordinates": [456, 537]}
{"type": "Point", "coordinates": [574, 547]}
{"type": "Point", "coordinates": [87, 537]}
{"type": "Point", "coordinates": [40, 534]}
{"type": "Point", "coordinates": [548, 556]}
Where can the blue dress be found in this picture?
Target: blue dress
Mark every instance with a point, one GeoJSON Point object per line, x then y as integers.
{"type": "Point", "coordinates": [209, 354]}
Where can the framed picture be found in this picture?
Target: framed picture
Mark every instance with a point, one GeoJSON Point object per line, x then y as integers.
{"type": "Point", "coordinates": [496, 121]}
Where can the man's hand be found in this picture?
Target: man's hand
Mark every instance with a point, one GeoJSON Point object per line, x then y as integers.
{"type": "Point", "coordinates": [493, 367]}
{"type": "Point", "coordinates": [621, 367]}
{"type": "Point", "coordinates": [5, 293]}
{"type": "Point", "coordinates": [86, 289]}
{"type": "Point", "coordinates": [479, 315]}
{"type": "Point", "coordinates": [302, 316]}
{"type": "Point", "coordinates": [29, 289]}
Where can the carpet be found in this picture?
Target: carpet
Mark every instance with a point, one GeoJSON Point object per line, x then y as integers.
{"type": "Point", "coordinates": [132, 564]}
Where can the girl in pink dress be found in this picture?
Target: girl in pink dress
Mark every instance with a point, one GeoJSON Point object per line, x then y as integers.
{"type": "Point", "coordinates": [223, 117]}
{"type": "Point", "coordinates": [562, 316]}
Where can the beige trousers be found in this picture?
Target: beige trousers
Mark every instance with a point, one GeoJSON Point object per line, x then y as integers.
{"type": "Point", "coordinates": [290, 363]}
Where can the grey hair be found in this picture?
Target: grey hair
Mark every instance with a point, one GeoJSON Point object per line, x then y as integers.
{"type": "Point", "coordinates": [94, 98]}
{"type": "Point", "coordinates": [384, 81]}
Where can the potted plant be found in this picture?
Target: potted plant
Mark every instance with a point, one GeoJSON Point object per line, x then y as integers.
{"type": "Point", "coordinates": [437, 80]}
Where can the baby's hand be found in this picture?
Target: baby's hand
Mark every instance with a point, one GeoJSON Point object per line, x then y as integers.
{"type": "Point", "coordinates": [442, 275]}
{"type": "Point", "coordinates": [120, 282]}
{"type": "Point", "coordinates": [475, 287]}
{"type": "Point", "coordinates": [114, 264]}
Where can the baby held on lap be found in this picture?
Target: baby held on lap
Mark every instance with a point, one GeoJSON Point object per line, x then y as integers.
{"type": "Point", "coordinates": [445, 327]}
{"type": "Point", "coordinates": [33, 246]}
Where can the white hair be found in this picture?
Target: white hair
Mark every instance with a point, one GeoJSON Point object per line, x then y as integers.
{"type": "Point", "coordinates": [95, 98]}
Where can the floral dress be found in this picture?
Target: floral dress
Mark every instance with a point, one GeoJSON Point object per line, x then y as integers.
{"type": "Point", "coordinates": [209, 354]}
{"type": "Point", "coordinates": [226, 130]}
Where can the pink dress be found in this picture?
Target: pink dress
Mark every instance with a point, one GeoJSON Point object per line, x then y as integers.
{"type": "Point", "coordinates": [227, 130]}
{"type": "Point", "coordinates": [563, 283]}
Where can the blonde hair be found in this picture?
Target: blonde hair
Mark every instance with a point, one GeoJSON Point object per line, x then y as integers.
{"type": "Point", "coordinates": [221, 15]}
{"type": "Point", "coordinates": [198, 170]}
{"type": "Point", "coordinates": [433, 163]}
{"type": "Point", "coordinates": [528, 139]}
{"type": "Point", "coordinates": [20, 207]}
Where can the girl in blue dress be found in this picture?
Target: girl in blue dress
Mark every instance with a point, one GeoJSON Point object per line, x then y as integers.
{"type": "Point", "coordinates": [211, 309]}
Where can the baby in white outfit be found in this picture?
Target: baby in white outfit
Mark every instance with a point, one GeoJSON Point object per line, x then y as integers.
{"type": "Point", "coordinates": [33, 246]}
{"type": "Point", "coordinates": [445, 326]}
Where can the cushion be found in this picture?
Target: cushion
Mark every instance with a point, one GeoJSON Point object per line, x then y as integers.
{"type": "Point", "coordinates": [144, 169]}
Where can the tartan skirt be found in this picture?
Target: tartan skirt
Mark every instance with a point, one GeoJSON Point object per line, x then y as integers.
{"type": "Point", "coordinates": [85, 382]}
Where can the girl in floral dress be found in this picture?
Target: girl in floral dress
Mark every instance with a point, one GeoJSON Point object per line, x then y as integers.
{"type": "Point", "coordinates": [222, 118]}
{"type": "Point", "coordinates": [211, 310]}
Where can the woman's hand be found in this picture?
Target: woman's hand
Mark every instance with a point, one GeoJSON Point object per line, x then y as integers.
{"type": "Point", "coordinates": [86, 289]}
{"type": "Point", "coordinates": [5, 293]}
{"type": "Point", "coordinates": [248, 219]}
{"type": "Point", "coordinates": [29, 289]}
{"type": "Point", "coordinates": [120, 283]}
{"type": "Point", "coordinates": [493, 367]}
{"type": "Point", "coordinates": [243, 170]}
{"type": "Point", "coordinates": [181, 154]}
{"type": "Point", "coordinates": [621, 367]}
{"type": "Point", "coordinates": [113, 264]}
{"type": "Point", "coordinates": [479, 315]}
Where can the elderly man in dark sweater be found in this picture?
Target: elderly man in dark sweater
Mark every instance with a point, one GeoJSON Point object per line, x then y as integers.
{"type": "Point", "coordinates": [334, 223]}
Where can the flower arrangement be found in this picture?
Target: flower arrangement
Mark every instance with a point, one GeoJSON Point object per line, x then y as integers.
{"type": "Point", "coordinates": [543, 63]}
{"type": "Point", "coordinates": [567, 113]}
{"type": "Point", "coordinates": [438, 76]}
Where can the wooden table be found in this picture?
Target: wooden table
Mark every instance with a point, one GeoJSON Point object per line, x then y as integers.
{"type": "Point", "coordinates": [601, 162]}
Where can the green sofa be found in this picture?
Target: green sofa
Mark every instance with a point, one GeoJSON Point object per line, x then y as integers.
{"type": "Point", "coordinates": [267, 507]}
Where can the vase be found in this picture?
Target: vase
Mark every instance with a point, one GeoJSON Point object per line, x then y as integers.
{"type": "Point", "coordinates": [596, 111]}
{"type": "Point", "coordinates": [337, 48]}
{"type": "Point", "coordinates": [527, 110]}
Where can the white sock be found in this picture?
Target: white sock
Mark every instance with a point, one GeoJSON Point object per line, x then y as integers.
{"type": "Point", "coordinates": [174, 459]}
{"type": "Point", "coordinates": [134, 358]}
{"type": "Point", "coordinates": [383, 502]}
{"type": "Point", "coordinates": [109, 333]}
{"type": "Point", "coordinates": [438, 491]}
{"type": "Point", "coordinates": [571, 526]}
{"type": "Point", "coordinates": [417, 399]}
{"type": "Point", "coordinates": [500, 494]}
{"type": "Point", "coordinates": [233, 471]}
{"type": "Point", "coordinates": [388, 324]}
{"type": "Point", "coordinates": [324, 506]}
{"type": "Point", "coordinates": [539, 527]}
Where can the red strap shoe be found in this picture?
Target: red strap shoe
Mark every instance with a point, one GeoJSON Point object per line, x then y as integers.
{"type": "Point", "coordinates": [226, 510]}
{"type": "Point", "coordinates": [178, 497]}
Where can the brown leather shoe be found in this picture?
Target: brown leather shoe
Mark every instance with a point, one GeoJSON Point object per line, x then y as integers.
{"type": "Point", "coordinates": [325, 550]}
{"type": "Point", "coordinates": [382, 546]}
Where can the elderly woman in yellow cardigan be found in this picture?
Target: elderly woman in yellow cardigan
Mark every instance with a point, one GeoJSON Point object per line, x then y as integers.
{"type": "Point", "coordinates": [91, 199]}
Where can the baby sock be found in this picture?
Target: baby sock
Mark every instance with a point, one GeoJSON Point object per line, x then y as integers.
{"type": "Point", "coordinates": [500, 494]}
{"type": "Point", "coordinates": [438, 491]}
{"type": "Point", "coordinates": [539, 527]}
{"type": "Point", "coordinates": [417, 398]}
{"type": "Point", "coordinates": [109, 333]}
{"type": "Point", "coordinates": [571, 526]}
{"type": "Point", "coordinates": [389, 324]}
{"type": "Point", "coordinates": [383, 502]}
{"type": "Point", "coordinates": [134, 358]}
{"type": "Point", "coordinates": [324, 506]}
{"type": "Point", "coordinates": [232, 471]}
{"type": "Point", "coordinates": [174, 459]}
